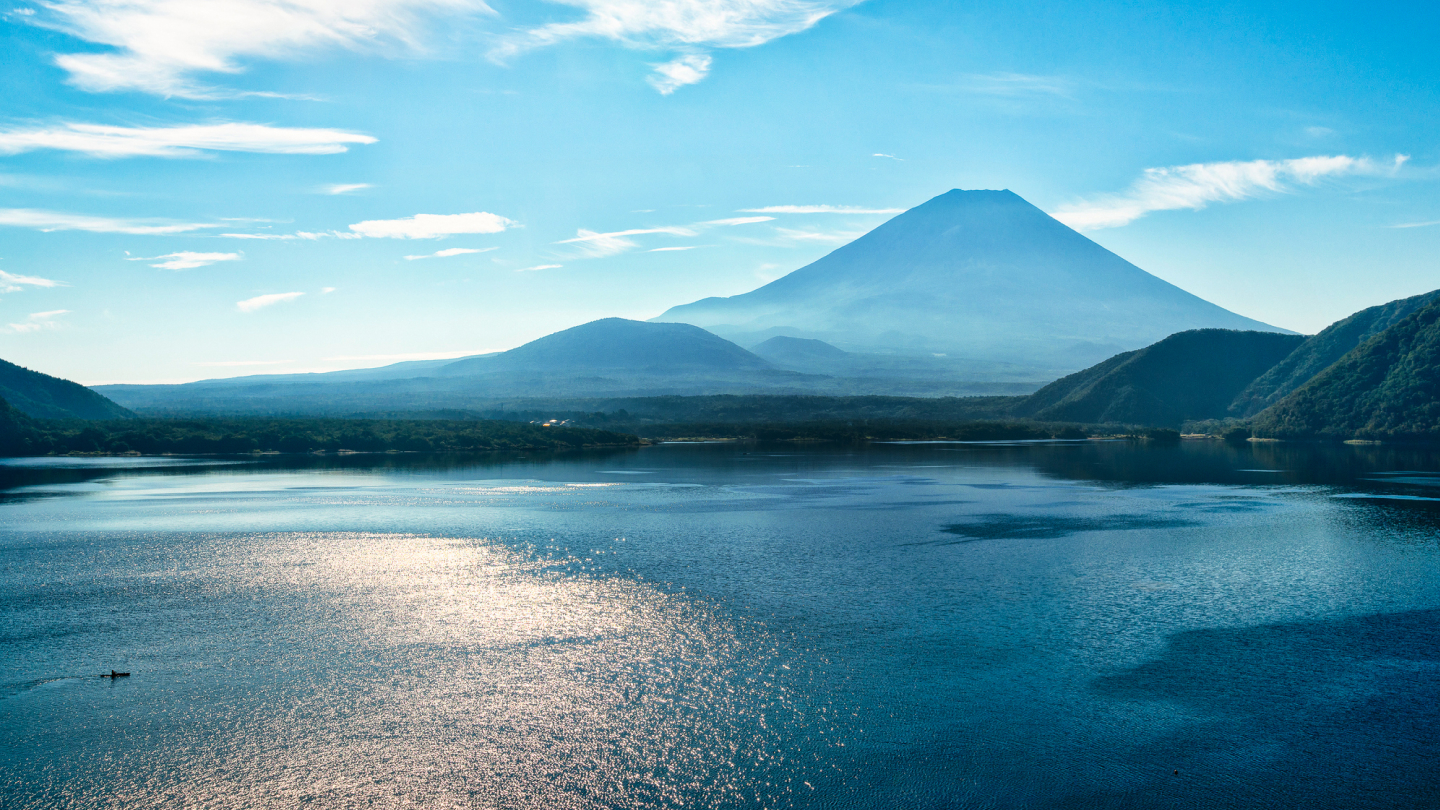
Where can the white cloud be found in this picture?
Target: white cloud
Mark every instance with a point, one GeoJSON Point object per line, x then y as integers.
{"type": "Point", "coordinates": [37, 321]}
{"type": "Point", "coordinates": [343, 188]}
{"type": "Point", "coordinates": [1017, 85]}
{"type": "Point", "coordinates": [178, 141]}
{"type": "Point", "coordinates": [260, 301]}
{"type": "Point", "coordinates": [690, 26]}
{"type": "Point", "coordinates": [598, 245]}
{"type": "Point", "coordinates": [187, 260]}
{"type": "Point", "coordinates": [160, 45]}
{"type": "Point", "coordinates": [432, 226]}
{"type": "Point", "coordinates": [1195, 186]}
{"type": "Point", "coordinates": [1401, 225]}
{"type": "Point", "coordinates": [327, 290]}
{"type": "Point", "coordinates": [409, 356]}
{"type": "Point", "coordinates": [737, 221]}
{"type": "Point", "coordinates": [677, 73]}
{"type": "Point", "coordinates": [57, 221]}
{"type": "Point", "coordinates": [827, 237]}
{"type": "Point", "coordinates": [664, 249]}
{"type": "Point", "coordinates": [538, 267]}
{"type": "Point", "coordinates": [10, 283]}
{"type": "Point", "coordinates": [448, 252]}
{"type": "Point", "coordinates": [303, 235]}
{"type": "Point", "coordinates": [820, 209]}
{"type": "Point", "coordinates": [892, 157]}
{"type": "Point", "coordinates": [240, 363]}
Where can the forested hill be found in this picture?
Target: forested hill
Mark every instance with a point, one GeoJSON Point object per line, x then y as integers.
{"type": "Point", "coordinates": [1192, 375]}
{"type": "Point", "coordinates": [1322, 350]}
{"type": "Point", "coordinates": [45, 397]}
{"type": "Point", "coordinates": [1387, 388]}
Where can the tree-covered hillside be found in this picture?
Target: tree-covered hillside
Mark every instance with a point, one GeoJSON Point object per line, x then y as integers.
{"type": "Point", "coordinates": [1387, 388]}
{"type": "Point", "coordinates": [45, 397]}
{"type": "Point", "coordinates": [1187, 376]}
{"type": "Point", "coordinates": [1321, 351]}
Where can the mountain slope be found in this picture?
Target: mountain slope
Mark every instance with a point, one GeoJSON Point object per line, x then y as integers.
{"type": "Point", "coordinates": [800, 353]}
{"type": "Point", "coordinates": [982, 274]}
{"type": "Point", "coordinates": [1322, 350]}
{"type": "Point", "coordinates": [617, 343]}
{"type": "Point", "coordinates": [45, 397]}
{"type": "Point", "coordinates": [1190, 375]}
{"type": "Point", "coordinates": [1386, 388]}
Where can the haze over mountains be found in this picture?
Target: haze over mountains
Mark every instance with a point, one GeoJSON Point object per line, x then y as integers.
{"type": "Point", "coordinates": [979, 275]}
{"type": "Point", "coordinates": [973, 292]}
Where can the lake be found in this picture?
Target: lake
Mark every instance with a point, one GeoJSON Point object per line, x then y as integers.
{"type": "Point", "coordinates": [1062, 624]}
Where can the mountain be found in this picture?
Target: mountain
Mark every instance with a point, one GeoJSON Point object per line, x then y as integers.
{"type": "Point", "coordinates": [1323, 350]}
{"type": "Point", "coordinates": [1190, 375]}
{"type": "Point", "coordinates": [1386, 388]}
{"type": "Point", "coordinates": [608, 357]}
{"type": "Point", "coordinates": [45, 397]}
{"type": "Point", "coordinates": [982, 275]}
{"type": "Point", "coordinates": [617, 344]}
{"type": "Point", "coordinates": [800, 354]}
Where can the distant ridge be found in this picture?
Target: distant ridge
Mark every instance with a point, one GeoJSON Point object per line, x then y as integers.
{"type": "Point", "coordinates": [978, 274]}
{"type": "Point", "coordinates": [44, 397]}
{"type": "Point", "coordinates": [617, 343]}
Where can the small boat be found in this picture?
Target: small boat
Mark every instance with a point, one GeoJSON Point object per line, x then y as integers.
{"type": "Point", "coordinates": [114, 674]}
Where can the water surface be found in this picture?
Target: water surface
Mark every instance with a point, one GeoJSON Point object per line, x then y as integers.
{"type": "Point", "coordinates": [925, 625]}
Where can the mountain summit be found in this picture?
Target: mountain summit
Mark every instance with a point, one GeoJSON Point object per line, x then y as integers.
{"type": "Point", "coordinates": [979, 274]}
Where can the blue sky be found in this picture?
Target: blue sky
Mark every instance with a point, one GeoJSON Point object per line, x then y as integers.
{"type": "Point", "coordinates": [205, 188]}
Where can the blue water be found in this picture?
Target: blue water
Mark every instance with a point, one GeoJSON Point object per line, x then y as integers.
{"type": "Point", "coordinates": [908, 626]}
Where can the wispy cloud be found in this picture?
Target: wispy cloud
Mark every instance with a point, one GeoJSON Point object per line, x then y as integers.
{"type": "Point", "coordinates": [178, 141]}
{"type": "Point", "coordinates": [826, 237]}
{"type": "Point", "coordinates": [1197, 185]}
{"type": "Point", "coordinates": [242, 363]}
{"type": "Point", "coordinates": [262, 301]}
{"type": "Point", "coordinates": [666, 249]}
{"type": "Point", "coordinates": [1401, 225]}
{"type": "Point", "coordinates": [892, 157]}
{"type": "Point", "coordinates": [301, 235]}
{"type": "Point", "coordinates": [820, 209]}
{"type": "Point", "coordinates": [598, 245]}
{"type": "Point", "coordinates": [737, 221]}
{"type": "Point", "coordinates": [187, 260]}
{"type": "Point", "coordinates": [432, 226]}
{"type": "Point", "coordinates": [1017, 85]}
{"type": "Point", "coordinates": [57, 221]}
{"type": "Point", "coordinates": [689, 26]}
{"type": "Point", "coordinates": [343, 188]}
{"type": "Point", "coordinates": [10, 282]}
{"type": "Point", "coordinates": [408, 356]}
{"type": "Point", "coordinates": [448, 252]}
{"type": "Point", "coordinates": [538, 267]}
{"type": "Point", "coordinates": [675, 74]}
{"type": "Point", "coordinates": [38, 321]}
{"type": "Point", "coordinates": [160, 46]}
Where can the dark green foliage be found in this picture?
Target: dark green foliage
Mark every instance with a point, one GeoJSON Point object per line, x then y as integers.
{"type": "Point", "coordinates": [45, 397]}
{"type": "Point", "coordinates": [228, 436]}
{"type": "Point", "coordinates": [1162, 435]}
{"type": "Point", "coordinates": [1386, 388]}
{"type": "Point", "coordinates": [1237, 436]}
{"type": "Point", "coordinates": [1190, 375]}
{"type": "Point", "coordinates": [856, 432]}
{"type": "Point", "coordinates": [1321, 351]}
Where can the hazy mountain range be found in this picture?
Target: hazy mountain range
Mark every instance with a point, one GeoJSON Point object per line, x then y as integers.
{"type": "Point", "coordinates": [973, 292]}
{"type": "Point", "coordinates": [982, 276]}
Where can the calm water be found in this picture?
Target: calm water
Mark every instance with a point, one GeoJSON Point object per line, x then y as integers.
{"type": "Point", "coordinates": [1052, 625]}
